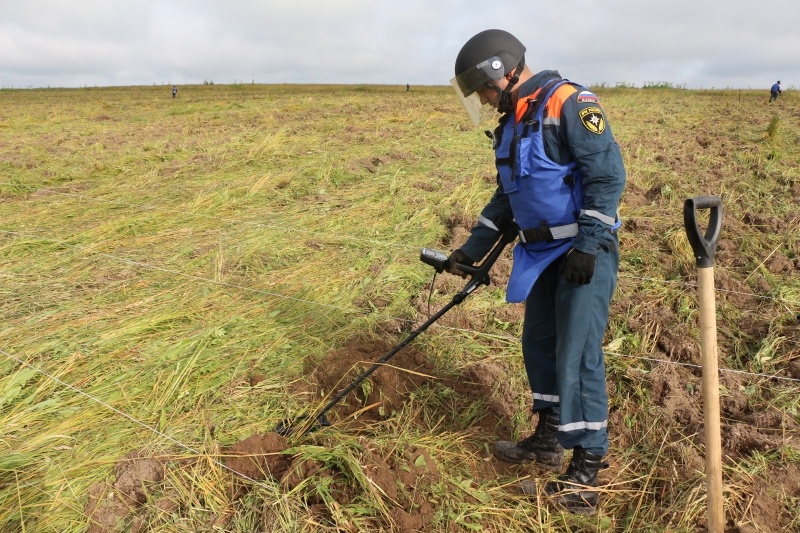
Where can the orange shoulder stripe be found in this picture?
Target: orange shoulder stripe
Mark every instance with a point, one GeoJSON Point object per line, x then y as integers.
{"type": "Point", "coordinates": [553, 105]}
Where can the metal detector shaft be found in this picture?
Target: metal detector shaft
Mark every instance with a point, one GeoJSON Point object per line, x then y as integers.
{"type": "Point", "coordinates": [479, 276]}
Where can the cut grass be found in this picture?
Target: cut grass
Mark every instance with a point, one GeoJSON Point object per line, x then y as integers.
{"type": "Point", "coordinates": [157, 254]}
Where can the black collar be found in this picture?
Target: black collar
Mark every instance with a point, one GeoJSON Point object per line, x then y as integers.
{"type": "Point", "coordinates": [538, 80]}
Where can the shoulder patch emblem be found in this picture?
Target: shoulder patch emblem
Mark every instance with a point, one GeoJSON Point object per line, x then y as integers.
{"type": "Point", "coordinates": [586, 96]}
{"type": "Point", "coordinates": [593, 120]}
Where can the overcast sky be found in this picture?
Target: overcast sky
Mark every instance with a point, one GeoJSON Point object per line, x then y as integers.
{"type": "Point", "coordinates": [696, 43]}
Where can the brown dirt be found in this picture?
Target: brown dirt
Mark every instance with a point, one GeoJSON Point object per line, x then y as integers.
{"type": "Point", "coordinates": [479, 397]}
{"type": "Point", "coordinates": [112, 505]}
{"type": "Point", "coordinates": [749, 426]}
{"type": "Point", "coordinates": [401, 478]}
{"type": "Point", "coordinates": [259, 456]}
{"type": "Point", "coordinates": [679, 394]}
{"type": "Point", "coordinates": [388, 389]}
{"type": "Point", "coordinates": [768, 513]}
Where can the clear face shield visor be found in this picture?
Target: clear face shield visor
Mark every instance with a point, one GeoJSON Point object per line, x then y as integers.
{"type": "Point", "coordinates": [468, 82]}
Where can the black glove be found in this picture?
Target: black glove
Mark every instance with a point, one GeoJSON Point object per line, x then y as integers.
{"type": "Point", "coordinates": [578, 267]}
{"type": "Point", "coordinates": [458, 257]}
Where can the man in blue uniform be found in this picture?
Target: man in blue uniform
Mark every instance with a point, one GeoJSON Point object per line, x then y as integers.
{"type": "Point", "coordinates": [775, 91]}
{"type": "Point", "coordinates": [560, 178]}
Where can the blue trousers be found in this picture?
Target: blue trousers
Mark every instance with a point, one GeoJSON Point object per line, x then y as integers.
{"type": "Point", "coordinates": [562, 345]}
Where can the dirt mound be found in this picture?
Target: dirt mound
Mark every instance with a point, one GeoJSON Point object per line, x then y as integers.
{"type": "Point", "coordinates": [111, 503]}
{"type": "Point", "coordinates": [679, 394]}
{"type": "Point", "coordinates": [380, 395]}
{"type": "Point", "coordinates": [768, 512]}
{"type": "Point", "coordinates": [669, 336]}
{"type": "Point", "coordinates": [387, 391]}
{"type": "Point", "coordinates": [408, 479]}
{"type": "Point", "coordinates": [402, 481]}
{"type": "Point", "coordinates": [259, 456]}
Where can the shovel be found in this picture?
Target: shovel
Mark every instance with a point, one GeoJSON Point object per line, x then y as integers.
{"type": "Point", "coordinates": [704, 247]}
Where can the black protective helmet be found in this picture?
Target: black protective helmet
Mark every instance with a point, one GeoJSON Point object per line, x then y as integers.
{"type": "Point", "coordinates": [487, 56]}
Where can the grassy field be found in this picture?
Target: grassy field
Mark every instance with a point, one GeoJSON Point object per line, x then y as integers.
{"type": "Point", "coordinates": [179, 275]}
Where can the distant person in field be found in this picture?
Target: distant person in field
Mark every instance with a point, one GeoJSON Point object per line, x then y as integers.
{"type": "Point", "coordinates": [408, 87]}
{"type": "Point", "coordinates": [174, 91]}
{"type": "Point", "coordinates": [560, 177]}
{"type": "Point", "coordinates": [775, 91]}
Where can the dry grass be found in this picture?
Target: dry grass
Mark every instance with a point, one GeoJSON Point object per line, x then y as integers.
{"type": "Point", "coordinates": [156, 254]}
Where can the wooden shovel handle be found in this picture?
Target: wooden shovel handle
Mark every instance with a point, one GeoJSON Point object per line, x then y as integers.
{"type": "Point", "coordinates": [704, 247]}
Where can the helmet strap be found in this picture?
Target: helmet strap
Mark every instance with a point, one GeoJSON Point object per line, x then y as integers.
{"type": "Point", "coordinates": [505, 104]}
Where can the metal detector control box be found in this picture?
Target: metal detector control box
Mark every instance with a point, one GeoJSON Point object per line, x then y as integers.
{"type": "Point", "coordinates": [434, 258]}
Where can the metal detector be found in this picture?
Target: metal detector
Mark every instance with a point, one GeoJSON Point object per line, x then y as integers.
{"type": "Point", "coordinates": [479, 275]}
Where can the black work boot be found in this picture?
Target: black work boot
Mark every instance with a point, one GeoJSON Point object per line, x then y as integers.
{"type": "Point", "coordinates": [542, 446]}
{"type": "Point", "coordinates": [573, 488]}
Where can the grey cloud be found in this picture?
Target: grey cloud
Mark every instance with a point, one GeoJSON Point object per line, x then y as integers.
{"type": "Point", "coordinates": [701, 44]}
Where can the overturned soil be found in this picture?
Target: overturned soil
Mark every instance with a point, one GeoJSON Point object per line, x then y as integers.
{"type": "Point", "coordinates": [477, 399]}
{"type": "Point", "coordinates": [408, 479]}
{"type": "Point", "coordinates": [404, 477]}
{"type": "Point", "coordinates": [389, 388]}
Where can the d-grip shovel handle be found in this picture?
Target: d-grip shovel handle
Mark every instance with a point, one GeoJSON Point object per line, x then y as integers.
{"type": "Point", "coordinates": [704, 246]}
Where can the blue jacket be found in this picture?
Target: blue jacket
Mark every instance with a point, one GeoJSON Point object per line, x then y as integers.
{"type": "Point", "coordinates": [775, 89]}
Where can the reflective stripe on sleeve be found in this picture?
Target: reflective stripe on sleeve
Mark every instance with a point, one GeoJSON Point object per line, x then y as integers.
{"type": "Point", "coordinates": [605, 219]}
{"type": "Point", "coordinates": [488, 223]}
